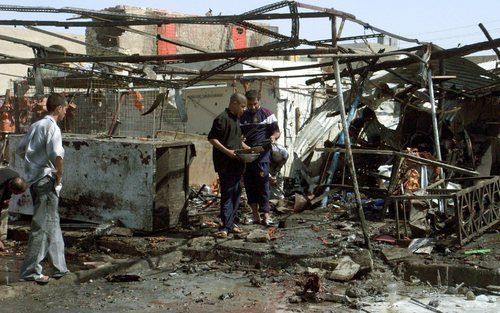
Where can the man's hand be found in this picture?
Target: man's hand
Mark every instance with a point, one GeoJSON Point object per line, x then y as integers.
{"type": "Point", "coordinates": [58, 176]}
{"type": "Point", "coordinates": [232, 154]}
{"type": "Point", "coordinates": [274, 137]}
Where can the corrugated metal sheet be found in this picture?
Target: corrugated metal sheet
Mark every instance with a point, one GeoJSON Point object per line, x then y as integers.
{"type": "Point", "coordinates": [470, 76]}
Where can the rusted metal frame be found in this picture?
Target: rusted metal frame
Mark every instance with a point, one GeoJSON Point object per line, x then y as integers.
{"type": "Point", "coordinates": [177, 58]}
{"type": "Point", "coordinates": [162, 38]}
{"type": "Point", "coordinates": [486, 217]}
{"type": "Point", "coordinates": [82, 43]}
{"type": "Point", "coordinates": [422, 197]}
{"type": "Point", "coordinates": [111, 76]}
{"type": "Point", "coordinates": [17, 111]}
{"type": "Point", "coordinates": [268, 8]}
{"type": "Point", "coordinates": [294, 36]}
{"type": "Point", "coordinates": [35, 45]}
{"type": "Point", "coordinates": [459, 218]}
{"type": "Point", "coordinates": [276, 45]}
{"type": "Point", "coordinates": [253, 71]}
{"type": "Point", "coordinates": [331, 166]}
{"type": "Point", "coordinates": [213, 72]}
{"type": "Point", "coordinates": [487, 35]}
{"type": "Point", "coordinates": [405, 219]}
{"type": "Point", "coordinates": [341, 28]}
{"type": "Point", "coordinates": [200, 20]}
{"type": "Point", "coordinates": [38, 46]}
{"type": "Point", "coordinates": [352, 18]}
{"type": "Point", "coordinates": [396, 167]}
{"type": "Point", "coordinates": [435, 184]}
{"type": "Point", "coordinates": [396, 203]}
{"type": "Point", "coordinates": [169, 40]}
{"type": "Point", "coordinates": [468, 199]}
{"type": "Point", "coordinates": [443, 54]}
{"type": "Point", "coordinates": [435, 130]}
{"type": "Point", "coordinates": [440, 87]}
{"type": "Point", "coordinates": [325, 41]}
{"type": "Point", "coordinates": [56, 35]}
{"type": "Point", "coordinates": [404, 155]}
{"type": "Point", "coordinates": [334, 31]}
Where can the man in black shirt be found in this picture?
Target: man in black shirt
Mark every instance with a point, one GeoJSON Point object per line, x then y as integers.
{"type": "Point", "coordinates": [10, 183]}
{"type": "Point", "coordinates": [225, 136]}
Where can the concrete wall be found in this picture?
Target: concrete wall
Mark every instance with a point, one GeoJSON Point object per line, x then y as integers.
{"type": "Point", "coordinates": [204, 104]}
{"type": "Point", "coordinates": [17, 70]}
{"type": "Point", "coordinates": [120, 40]}
{"type": "Point", "coordinates": [201, 170]}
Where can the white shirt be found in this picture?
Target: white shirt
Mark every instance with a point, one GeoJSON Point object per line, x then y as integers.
{"type": "Point", "coordinates": [40, 147]}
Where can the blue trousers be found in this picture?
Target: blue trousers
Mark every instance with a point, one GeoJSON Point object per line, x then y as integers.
{"type": "Point", "coordinates": [45, 236]}
{"type": "Point", "coordinates": [256, 179]}
{"type": "Point", "coordinates": [230, 190]}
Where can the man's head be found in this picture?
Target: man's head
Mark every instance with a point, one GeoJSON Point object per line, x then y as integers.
{"type": "Point", "coordinates": [56, 106]}
{"type": "Point", "coordinates": [237, 104]}
{"type": "Point", "coordinates": [17, 185]}
{"type": "Point", "coordinates": [253, 103]}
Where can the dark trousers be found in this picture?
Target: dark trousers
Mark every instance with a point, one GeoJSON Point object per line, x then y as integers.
{"type": "Point", "coordinates": [256, 179]}
{"type": "Point", "coordinates": [230, 191]}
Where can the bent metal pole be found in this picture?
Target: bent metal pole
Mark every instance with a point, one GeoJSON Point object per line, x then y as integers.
{"type": "Point", "coordinates": [349, 157]}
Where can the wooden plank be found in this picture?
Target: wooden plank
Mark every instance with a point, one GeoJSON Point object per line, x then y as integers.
{"type": "Point", "coordinates": [326, 194]}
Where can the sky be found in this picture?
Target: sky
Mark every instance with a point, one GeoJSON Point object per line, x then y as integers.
{"type": "Point", "coordinates": [447, 23]}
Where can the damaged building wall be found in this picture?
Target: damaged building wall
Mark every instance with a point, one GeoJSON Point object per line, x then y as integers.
{"type": "Point", "coordinates": [209, 37]}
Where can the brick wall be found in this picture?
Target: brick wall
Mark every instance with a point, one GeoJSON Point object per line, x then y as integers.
{"type": "Point", "coordinates": [210, 37]}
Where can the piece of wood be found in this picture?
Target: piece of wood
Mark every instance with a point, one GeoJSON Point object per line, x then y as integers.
{"type": "Point", "coordinates": [326, 194]}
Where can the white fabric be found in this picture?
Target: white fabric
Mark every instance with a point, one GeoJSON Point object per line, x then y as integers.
{"type": "Point", "coordinates": [40, 147]}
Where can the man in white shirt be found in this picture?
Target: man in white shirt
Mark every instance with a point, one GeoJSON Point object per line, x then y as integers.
{"type": "Point", "coordinates": [43, 154]}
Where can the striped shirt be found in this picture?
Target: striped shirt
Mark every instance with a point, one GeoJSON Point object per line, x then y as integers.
{"type": "Point", "coordinates": [258, 127]}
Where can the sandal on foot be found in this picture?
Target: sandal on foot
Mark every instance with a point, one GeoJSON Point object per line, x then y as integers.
{"type": "Point", "coordinates": [237, 230]}
{"type": "Point", "coordinates": [267, 222]}
{"type": "Point", "coordinates": [42, 280]}
{"type": "Point", "coordinates": [59, 275]}
{"type": "Point", "coordinates": [221, 234]}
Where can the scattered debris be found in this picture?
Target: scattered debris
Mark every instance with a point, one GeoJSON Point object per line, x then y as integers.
{"type": "Point", "coordinates": [122, 278]}
{"type": "Point", "coordinates": [477, 251]}
{"type": "Point", "coordinates": [427, 306]}
{"type": "Point", "coordinates": [355, 292]}
{"type": "Point", "coordinates": [345, 270]}
{"type": "Point", "coordinates": [257, 281]}
{"type": "Point", "coordinates": [226, 296]}
{"type": "Point", "coordinates": [313, 284]}
{"type": "Point", "coordinates": [470, 296]}
{"type": "Point", "coordinates": [395, 254]}
{"type": "Point", "coordinates": [258, 235]}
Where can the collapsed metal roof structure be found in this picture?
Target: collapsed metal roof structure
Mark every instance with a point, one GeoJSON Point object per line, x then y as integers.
{"type": "Point", "coordinates": [283, 45]}
{"type": "Point", "coordinates": [463, 78]}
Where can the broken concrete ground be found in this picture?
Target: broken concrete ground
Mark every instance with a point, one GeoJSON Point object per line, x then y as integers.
{"type": "Point", "coordinates": [191, 271]}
